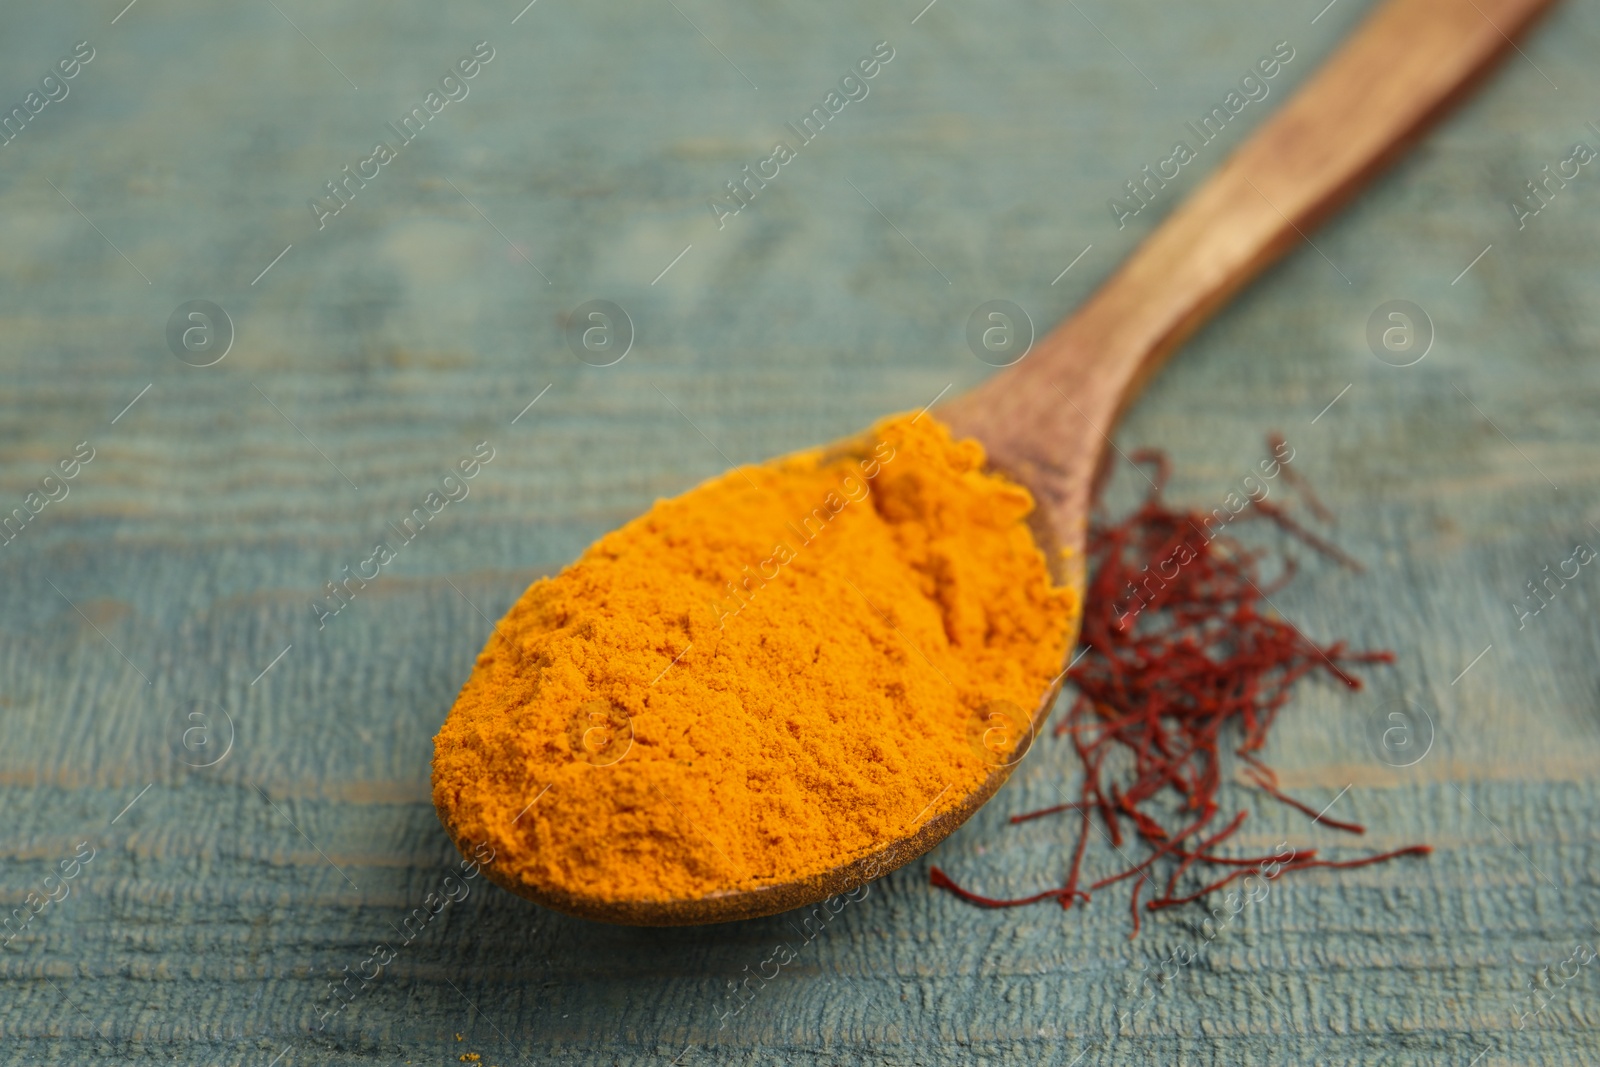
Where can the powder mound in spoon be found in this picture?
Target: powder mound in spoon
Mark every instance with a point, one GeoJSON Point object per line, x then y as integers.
{"type": "Point", "coordinates": [757, 681]}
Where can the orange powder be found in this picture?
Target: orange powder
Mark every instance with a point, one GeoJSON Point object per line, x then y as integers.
{"type": "Point", "coordinates": [758, 680]}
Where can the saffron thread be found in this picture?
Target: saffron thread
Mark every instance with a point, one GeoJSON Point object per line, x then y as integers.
{"type": "Point", "coordinates": [1179, 665]}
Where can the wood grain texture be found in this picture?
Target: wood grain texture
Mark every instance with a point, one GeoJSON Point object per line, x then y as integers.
{"type": "Point", "coordinates": [217, 908]}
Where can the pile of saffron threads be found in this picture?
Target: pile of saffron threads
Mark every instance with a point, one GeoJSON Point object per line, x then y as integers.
{"type": "Point", "coordinates": [1177, 661]}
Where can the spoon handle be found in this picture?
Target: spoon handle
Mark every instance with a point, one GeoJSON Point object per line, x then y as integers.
{"type": "Point", "coordinates": [1405, 65]}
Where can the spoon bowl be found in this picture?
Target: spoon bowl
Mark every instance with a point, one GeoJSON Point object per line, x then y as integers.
{"type": "Point", "coordinates": [732, 905]}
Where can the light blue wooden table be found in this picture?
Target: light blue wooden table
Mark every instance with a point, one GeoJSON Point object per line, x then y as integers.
{"type": "Point", "coordinates": [239, 861]}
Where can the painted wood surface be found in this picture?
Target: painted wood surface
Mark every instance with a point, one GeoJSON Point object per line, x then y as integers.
{"type": "Point", "coordinates": [176, 575]}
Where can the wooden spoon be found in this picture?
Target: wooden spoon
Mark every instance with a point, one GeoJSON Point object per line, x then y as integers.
{"type": "Point", "coordinates": [1046, 420]}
